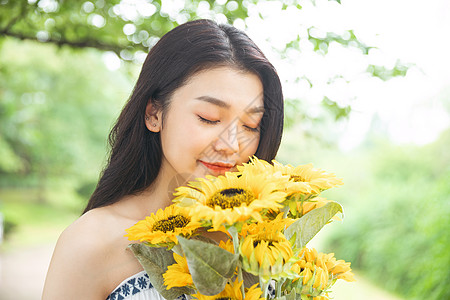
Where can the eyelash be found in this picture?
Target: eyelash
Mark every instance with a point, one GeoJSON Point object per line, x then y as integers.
{"type": "Point", "coordinates": [218, 121]}
{"type": "Point", "coordinates": [208, 121]}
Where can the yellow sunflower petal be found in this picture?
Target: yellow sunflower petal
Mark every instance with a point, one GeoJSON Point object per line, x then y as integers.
{"type": "Point", "coordinates": [177, 275]}
{"type": "Point", "coordinates": [163, 227]}
{"type": "Point", "coordinates": [232, 198]}
{"type": "Point", "coordinates": [320, 270]}
{"type": "Point", "coordinates": [233, 291]}
{"type": "Point", "coordinates": [265, 250]}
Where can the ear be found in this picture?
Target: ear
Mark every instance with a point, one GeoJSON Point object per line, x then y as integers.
{"type": "Point", "coordinates": [153, 117]}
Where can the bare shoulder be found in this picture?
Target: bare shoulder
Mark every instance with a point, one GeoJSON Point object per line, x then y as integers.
{"type": "Point", "coordinates": [87, 237]}
{"type": "Point", "coordinates": [84, 257]}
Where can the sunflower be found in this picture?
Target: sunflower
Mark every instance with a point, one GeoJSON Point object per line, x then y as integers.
{"type": "Point", "coordinates": [318, 180]}
{"type": "Point", "coordinates": [265, 251]}
{"type": "Point", "coordinates": [313, 281]}
{"type": "Point", "coordinates": [178, 275]}
{"type": "Point", "coordinates": [277, 223]}
{"type": "Point", "coordinates": [162, 228]}
{"type": "Point", "coordinates": [338, 268]}
{"type": "Point", "coordinates": [303, 179]}
{"type": "Point", "coordinates": [230, 199]}
{"type": "Point", "coordinates": [258, 166]}
{"type": "Point", "coordinates": [232, 291]}
{"type": "Point", "coordinates": [318, 272]}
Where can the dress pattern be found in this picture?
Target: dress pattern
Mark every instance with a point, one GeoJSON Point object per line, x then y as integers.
{"type": "Point", "coordinates": [131, 286]}
{"type": "Point", "coordinates": [139, 287]}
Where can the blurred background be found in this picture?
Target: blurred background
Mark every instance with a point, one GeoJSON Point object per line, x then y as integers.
{"type": "Point", "coordinates": [367, 88]}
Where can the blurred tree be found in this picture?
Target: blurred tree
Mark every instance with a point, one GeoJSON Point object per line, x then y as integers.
{"type": "Point", "coordinates": [123, 27]}
{"type": "Point", "coordinates": [397, 227]}
{"type": "Point", "coordinates": [130, 27]}
{"type": "Point", "coordinates": [42, 108]}
{"type": "Point", "coordinates": [53, 118]}
{"type": "Point", "coordinates": [127, 26]}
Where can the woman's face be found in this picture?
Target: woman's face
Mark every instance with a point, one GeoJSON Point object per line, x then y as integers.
{"type": "Point", "coordinates": [212, 123]}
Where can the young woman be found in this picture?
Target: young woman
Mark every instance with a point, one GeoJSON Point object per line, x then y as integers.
{"type": "Point", "coordinates": [206, 99]}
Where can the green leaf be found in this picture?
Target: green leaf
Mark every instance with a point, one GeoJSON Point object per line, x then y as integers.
{"type": "Point", "coordinates": [338, 111]}
{"type": "Point", "coordinates": [203, 239]}
{"type": "Point", "coordinates": [209, 265]}
{"type": "Point", "coordinates": [155, 262]}
{"type": "Point", "coordinates": [305, 228]}
{"type": "Point", "coordinates": [249, 279]}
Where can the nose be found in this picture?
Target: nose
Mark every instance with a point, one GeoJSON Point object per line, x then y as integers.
{"type": "Point", "coordinates": [227, 141]}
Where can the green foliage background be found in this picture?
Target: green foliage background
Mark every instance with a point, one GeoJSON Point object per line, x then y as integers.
{"type": "Point", "coordinates": [397, 226]}
{"type": "Point", "coordinates": [56, 109]}
{"type": "Point", "coordinates": [396, 201]}
{"type": "Point", "coordinates": [54, 115]}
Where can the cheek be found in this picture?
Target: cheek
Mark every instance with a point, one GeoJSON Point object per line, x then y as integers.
{"type": "Point", "coordinates": [188, 136]}
{"type": "Point", "coordinates": [250, 146]}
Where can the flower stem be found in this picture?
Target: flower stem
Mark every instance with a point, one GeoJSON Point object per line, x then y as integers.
{"type": "Point", "coordinates": [264, 287]}
{"type": "Point", "coordinates": [285, 211]}
{"type": "Point", "coordinates": [278, 285]}
{"type": "Point", "coordinates": [234, 235]}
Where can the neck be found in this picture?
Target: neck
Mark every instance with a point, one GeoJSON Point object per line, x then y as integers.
{"type": "Point", "coordinates": [159, 194]}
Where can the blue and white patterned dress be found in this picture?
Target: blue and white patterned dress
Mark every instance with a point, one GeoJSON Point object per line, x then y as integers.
{"type": "Point", "coordinates": [137, 287]}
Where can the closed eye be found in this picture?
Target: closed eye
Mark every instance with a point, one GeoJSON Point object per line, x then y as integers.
{"type": "Point", "coordinates": [211, 122]}
{"type": "Point", "coordinates": [207, 121]}
{"type": "Point", "coordinates": [252, 129]}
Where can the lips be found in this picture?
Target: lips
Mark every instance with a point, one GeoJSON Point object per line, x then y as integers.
{"type": "Point", "coordinates": [219, 167]}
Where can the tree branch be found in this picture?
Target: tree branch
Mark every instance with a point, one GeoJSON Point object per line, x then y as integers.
{"type": "Point", "coordinates": [86, 43]}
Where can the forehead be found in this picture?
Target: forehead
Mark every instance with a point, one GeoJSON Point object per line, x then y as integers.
{"type": "Point", "coordinates": [236, 89]}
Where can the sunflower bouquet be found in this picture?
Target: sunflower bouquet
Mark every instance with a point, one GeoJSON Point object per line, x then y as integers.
{"type": "Point", "coordinates": [269, 213]}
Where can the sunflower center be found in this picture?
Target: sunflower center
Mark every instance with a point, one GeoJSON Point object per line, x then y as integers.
{"type": "Point", "coordinates": [229, 198]}
{"type": "Point", "coordinates": [257, 241]}
{"type": "Point", "coordinates": [297, 178]}
{"type": "Point", "coordinates": [169, 224]}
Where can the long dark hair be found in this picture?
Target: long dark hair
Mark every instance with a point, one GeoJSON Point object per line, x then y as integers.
{"type": "Point", "coordinates": [135, 156]}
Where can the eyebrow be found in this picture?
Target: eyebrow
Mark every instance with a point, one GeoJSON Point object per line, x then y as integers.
{"type": "Point", "coordinates": [223, 104]}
